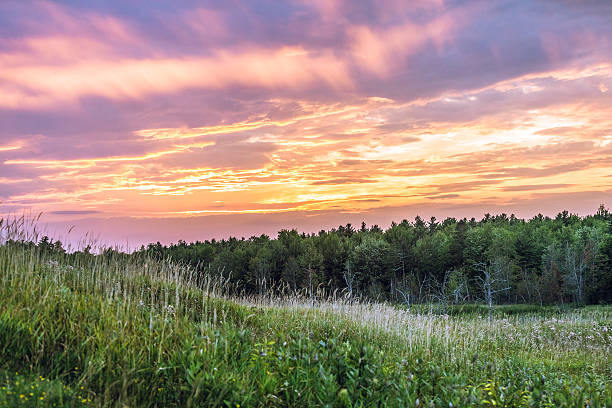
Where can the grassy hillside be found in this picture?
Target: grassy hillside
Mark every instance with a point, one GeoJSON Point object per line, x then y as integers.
{"type": "Point", "coordinates": [118, 331]}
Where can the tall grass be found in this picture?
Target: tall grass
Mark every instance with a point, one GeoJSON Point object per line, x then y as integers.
{"type": "Point", "coordinates": [116, 330]}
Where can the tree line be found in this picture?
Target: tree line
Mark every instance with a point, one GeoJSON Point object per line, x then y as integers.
{"type": "Point", "coordinates": [498, 259]}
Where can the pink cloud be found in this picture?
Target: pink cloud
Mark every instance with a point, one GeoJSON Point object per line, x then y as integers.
{"type": "Point", "coordinates": [105, 57]}
{"type": "Point", "coordinates": [383, 50]}
{"type": "Point", "coordinates": [37, 86]}
{"type": "Point", "coordinates": [204, 24]}
{"type": "Point", "coordinates": [327, 9]}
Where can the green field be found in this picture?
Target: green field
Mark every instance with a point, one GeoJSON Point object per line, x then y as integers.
{"type": "Point", "coordinates": [121, 331]}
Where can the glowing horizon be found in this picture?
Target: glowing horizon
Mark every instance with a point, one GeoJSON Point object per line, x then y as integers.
{"type": "Point", "coordinates": [301, 114]}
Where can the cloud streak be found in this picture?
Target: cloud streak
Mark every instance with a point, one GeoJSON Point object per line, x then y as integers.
{"type": "Point", "coordinates": [293, 68]}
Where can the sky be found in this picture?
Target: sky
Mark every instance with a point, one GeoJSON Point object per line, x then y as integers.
{"type": "Point", "coordinates": [204, 119]}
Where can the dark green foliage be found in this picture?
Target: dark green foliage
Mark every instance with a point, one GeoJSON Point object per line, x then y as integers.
{"type": "Point", "coordinates": [545, 260]}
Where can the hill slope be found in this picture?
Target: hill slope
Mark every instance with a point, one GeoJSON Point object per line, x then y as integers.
{"type": "Point", "coordinates": [113, 331]}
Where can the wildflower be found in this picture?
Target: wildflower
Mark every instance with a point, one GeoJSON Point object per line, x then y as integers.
{"type": "Point", "coordinates": [170, 310]}
{"type": "Point", "coordinates": [343, 395]}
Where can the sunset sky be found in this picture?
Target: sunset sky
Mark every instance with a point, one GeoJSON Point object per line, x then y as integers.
{"type": "Point", "coordinates": [216, 118]}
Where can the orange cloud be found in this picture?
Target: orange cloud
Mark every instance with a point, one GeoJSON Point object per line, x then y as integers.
{"type": "Point", "coordinates": [317, 112]}
{"type": "Point", "coordinates": [349, 158]}
{"type": "Point", "coordinates": [10, 147]}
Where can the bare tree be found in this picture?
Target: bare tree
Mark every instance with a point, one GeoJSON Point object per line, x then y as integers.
{"type": "Point", "coordinates": [580, 258]}
{"type": "Point", "coordinates": [310, 282]}
{"type": "Point", "coordinates": [402, 280]}
{"type": "Point", "coordinates": [492, 281]}
{"type": "Point", "coordinates": [460, 293]}
{"type": "Point", "coordinates": [402, 285]}
{"type": "Point", "coordinates": [405, 295]}
{"type": "Point", "coordinates": [536, 282]}
{"type": "Point", "coordinates": [262, 271]}
{"type": "Point", "coordinates": [572, 266]}
{"type": "Point", "coordinates": [349, 278]}
{"type": "Point", "coordinates": [411, 288]}
{"type": "Point", "coordinates": [440, 290]}
{"type": "Point", "coordinates": [422, 283]}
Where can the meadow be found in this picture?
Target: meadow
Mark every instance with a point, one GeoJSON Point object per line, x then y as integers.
{"type": "Point", "coordinates": [111, 330]}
